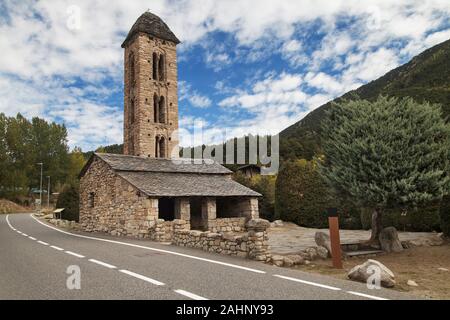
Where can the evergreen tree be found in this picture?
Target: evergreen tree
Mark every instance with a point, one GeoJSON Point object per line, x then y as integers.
{"type": "Point", "coordinates": [388, 153]}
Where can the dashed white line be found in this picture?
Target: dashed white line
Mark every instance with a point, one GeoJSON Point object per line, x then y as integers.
{"type": "Point", "coordinates": [366, 295]}
{"type": "Point", "coordinates": [44, 243]}
{"type": "Point", "coordinates": [190, 295]}
{"type": "Point", "coordinates": [24, 234]}
{"type": "Point", "coordinates": [141, 277]}
{"type": "Point", "coordinates": [57, 248]}
{"type": "Point", "coordinates": [153, 249]}
{"type": "Point", "coordinates": [74, 254]}
{"type": "Point", "coordinates": [104, 264]}
{"type": "Point", "coordinates": [308, 282]}
{"type": "Point", "coordinates": [31, 238]}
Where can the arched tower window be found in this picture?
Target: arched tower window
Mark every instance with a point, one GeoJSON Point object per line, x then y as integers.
{"type": "Point", "coordinates": [132, 111]}
{"type": "Point", "coordinates": [162, 110]}
{"type": "Point", "coordinates": [162, 147]}
{"type": "Point", "coordinates": [161, 67]}
{"type": "Point", "coordinates": [155, 66]}
{"type": "Point", "coordinates": [155, 108]}
{"type": "Point", "coordinates": [132, 70]}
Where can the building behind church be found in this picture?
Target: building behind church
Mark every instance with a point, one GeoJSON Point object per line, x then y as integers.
{"type": "Point", "coordinates": [149, 192]}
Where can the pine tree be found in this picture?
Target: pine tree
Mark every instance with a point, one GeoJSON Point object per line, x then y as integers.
{"type": "Point", "coordinates": [388, 153]}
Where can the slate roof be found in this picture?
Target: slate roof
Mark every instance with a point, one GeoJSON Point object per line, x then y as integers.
{"type": "Point", "coordinates": [186, 184]}
{"type": "Point", "coordinates": [121, 162]}
{"type": "Point", "coordinates": [174, 177]}
{"type": "Point", "coordinates": [153, 25]}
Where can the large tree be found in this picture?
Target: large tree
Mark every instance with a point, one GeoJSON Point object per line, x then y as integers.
{"type": "Point", "coordinates": [389, 153]}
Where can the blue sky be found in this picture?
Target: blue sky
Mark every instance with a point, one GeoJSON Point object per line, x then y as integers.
{"type": "Point", "coordinates": [244, 66]}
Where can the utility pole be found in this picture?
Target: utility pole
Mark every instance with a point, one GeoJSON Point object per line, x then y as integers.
{"type": "Point", "coordinates": [48, 192]}
{"type": "Point", "coordinates": [40, 190]}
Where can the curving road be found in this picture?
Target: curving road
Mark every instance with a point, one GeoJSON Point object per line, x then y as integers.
{"type": "Point", "coordinates": [35, 257]}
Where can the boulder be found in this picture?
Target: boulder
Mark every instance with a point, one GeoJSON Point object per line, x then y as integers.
{"type": "Point", "coordinates": [412, 283]}
{"type": "Point", "coordinates": [277, 223]}
{"type": "Point", "coordinates": [310, 253]}
{"type": "Point", "coordinates": [323, 240]}
{"type": "Point", "coordinates": [389, 240]}
{"type": "Point", "coordinates": [258, 224]}
{"type": "Point", "coordinates": [322, 252]}
{"type": "Point", "coordinates": [287, 262]}
{"type": "Point", "coordinates": [362, 273]}
{"type": "Point", "coordinates": [278, 260]}
{"type": "Point", "coordinates": [296, 259]}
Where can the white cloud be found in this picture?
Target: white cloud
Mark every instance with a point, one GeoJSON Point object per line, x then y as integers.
{"type": "Point", "coordinates": [195, 99]}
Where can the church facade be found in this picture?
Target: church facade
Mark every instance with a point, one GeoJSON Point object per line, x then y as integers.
{"type": "Point", "coordinates": [149, 192]}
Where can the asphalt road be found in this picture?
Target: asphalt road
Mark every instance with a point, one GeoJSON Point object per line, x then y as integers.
{"type": "Point", "coordinates": [35, 257]}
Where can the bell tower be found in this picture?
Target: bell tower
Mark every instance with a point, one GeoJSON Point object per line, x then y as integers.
{"type": "Point", "coordinates": [151, 89]}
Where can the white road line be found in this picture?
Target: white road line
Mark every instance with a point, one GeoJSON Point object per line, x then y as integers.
{"type": "Point", "coordinates": [24, 234]}
{"type": "Point", "coordinates": [153, 249]}
{"type": "Point", "coordinates": [366, 295]}
{"type": "Point", "coordinates": [308, 282]}
{"type": "Point", "coordinates": [110, 266]}
{"type": "Point", "coordinates": [34, 239]}
{"type": "Point", "coordinates": [57, 248]}
{"type": "Point", "coordinates": [141, 277]}
{"type": "Point", "coordinates": [74, 254]}
{"type": "Point", "coordinates": [190, 295]}
{"type": "Point", "coordinates": [44, 243]}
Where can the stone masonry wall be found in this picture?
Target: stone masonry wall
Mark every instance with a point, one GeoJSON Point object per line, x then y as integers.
{"type": "Point", "coordinates": [119, 208]}
{"type": "Point", "coordinates": [252, 244]}
{"type": "Point", "coordinates": [140, 134]}
{"type": "Point", "coordinates": [229, 225]}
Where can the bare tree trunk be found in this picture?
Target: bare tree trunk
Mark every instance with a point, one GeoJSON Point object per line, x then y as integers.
{"type": "Point", "coordinates": [377, 226]}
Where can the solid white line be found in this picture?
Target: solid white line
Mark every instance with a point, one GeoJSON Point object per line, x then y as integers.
{"type": "Point", "coordinates": [190, 295]}
{"type": "Point", "coordinates": [44, 243]}
{"type": "Point", "coordinates": [57, 248]}
{"type": "Point", "coordinates": [9, 224]}
{"type": "Point", "coordinates": [34, 239]}
{"type": "Point", "coordinates": [153, 249]}
{"type": "Point", "coordinates": [141, 277]}
{"type": "Point", "coordinates": [74, 254]}
{"type": "Point", "coordinates": [24, 234]}
{"type": "Point", "coordinates": [19, 232]}
{"type": "Point", "coordinates": [110, 266]}
{"type": "Point", "coordinates": [366, 295]}
{"type": "Point", "coordinates": [308, 282]}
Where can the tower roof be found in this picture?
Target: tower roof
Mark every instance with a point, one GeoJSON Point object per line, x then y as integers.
{"type": "Point", "coordinates": [153, 25]}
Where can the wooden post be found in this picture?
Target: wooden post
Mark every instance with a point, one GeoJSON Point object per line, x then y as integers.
{"type": "Point", "coordinates": [335, 240]}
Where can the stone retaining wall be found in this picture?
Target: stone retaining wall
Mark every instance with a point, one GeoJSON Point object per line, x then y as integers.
{"type": "Point", "coordinates": [227, 225]}
{"type": "Point", "coordinates": [252, 244]}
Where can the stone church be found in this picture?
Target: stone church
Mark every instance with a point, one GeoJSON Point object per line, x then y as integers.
{"type": "Point", "coordinates": [148, 192]}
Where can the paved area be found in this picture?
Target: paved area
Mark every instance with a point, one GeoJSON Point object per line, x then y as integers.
{"type": "Point", "coordinates": [35, 258]}
{"type": "Point", "coordinates": [291, 238]}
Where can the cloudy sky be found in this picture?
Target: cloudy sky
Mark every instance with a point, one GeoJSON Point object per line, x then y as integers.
{"type": "Point", "coordinates": [245, 66]}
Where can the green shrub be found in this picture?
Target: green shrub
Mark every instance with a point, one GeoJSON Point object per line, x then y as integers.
{"type": "Point", "coordinates": [302, 197]}
{"type": "Point", "coordinates": [445, 215]}
{"type": "Point", "coordinates": [69, 200]}
{"type": "Point", "coordinates": [422, 219]}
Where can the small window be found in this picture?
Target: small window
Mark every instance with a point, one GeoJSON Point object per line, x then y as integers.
{"type": "Point", "coordinates": [91, 200]}
{"type": "Point", "coordinates": [162, 68]}
{"type": "Point", "coordinates": [155, 66]}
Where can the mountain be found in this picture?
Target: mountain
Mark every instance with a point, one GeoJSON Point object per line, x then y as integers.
{"type": "Point", "coordinates": [425, 78]}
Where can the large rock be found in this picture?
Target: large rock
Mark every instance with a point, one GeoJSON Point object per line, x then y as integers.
{"type": "Point", "coordinates": [362, 273]}
{"type": "Point", "coordinates": [258, 224]}
{"type": "Point", "coordinates": [389, 240]}
{"type": "Point", "coordinates": [322, 252]}
{"type": "Point", "coordinates": [323, 240]}
{"type": "Point", "coordinates": [277, 260]}
{"type": "Point", "coordinates": [277, 223]}
{"type": "Point", "coordinates": [296, 259]}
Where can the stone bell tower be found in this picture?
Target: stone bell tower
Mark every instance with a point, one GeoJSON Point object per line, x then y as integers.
{"type": "Point", "coordinates": [151, 96]}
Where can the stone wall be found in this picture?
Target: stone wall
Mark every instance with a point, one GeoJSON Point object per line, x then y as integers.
{"type": "Point", "coordinates": [228, 225]}
{"type": "Point", "coordinates": [252, 244]}
{"type": "Point", "coordinates": [140, 133]}
{"type": "Point", "coordinates": [118, 207]}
